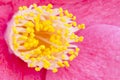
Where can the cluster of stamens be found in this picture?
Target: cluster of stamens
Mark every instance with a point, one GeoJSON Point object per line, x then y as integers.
{"type": "Point", "coordinates": [42, 36]}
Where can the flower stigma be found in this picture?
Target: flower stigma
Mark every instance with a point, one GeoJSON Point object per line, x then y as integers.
{"type": "Point", "coordinates": [42, 36]}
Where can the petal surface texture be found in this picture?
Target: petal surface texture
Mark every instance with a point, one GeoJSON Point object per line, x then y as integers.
{"type": "Point", "coordinates": [99, 58]}
{"type": "Point", "coordinates": [100, 52]}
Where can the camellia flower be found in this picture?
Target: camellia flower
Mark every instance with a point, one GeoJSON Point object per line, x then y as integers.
{"type": "Point", "coordinates": [99, 57]}
{"type": "Point", "coordinates": [43, 37]}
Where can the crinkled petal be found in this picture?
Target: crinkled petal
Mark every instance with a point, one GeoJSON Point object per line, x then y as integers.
{"type": "Point", "coordinates": [4, 1]}
{"type": "Point", "coordinates": [65, 1]}
{"type": "Point", "coordinates": [87, 11]}
{"type": "Point", "coordinates": [12, 68]}
{"type": "Point", "coordinates": [5, 13]}
{"type": "Point", "coordinates": [99, 58]}
{"type": "Point", "coordinates": [96, 11]}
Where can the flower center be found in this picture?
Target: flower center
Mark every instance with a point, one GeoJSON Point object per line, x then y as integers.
{"type": "Point", "coordinates": [42, 36]}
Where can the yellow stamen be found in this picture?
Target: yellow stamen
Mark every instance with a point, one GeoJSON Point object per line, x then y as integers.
{"type": "Point", "coordinates": [42, 36]}
{"type": "Point", "coordinates": [24, 7]}
{"type": "Point", "coordinates": [50, 6]}
{"type": "Point", "coordinates": [31, 65]}
{"type": "Point", "coordinates": [74, 23]}
{"type": "Point", "coordinates": [61, 10]}
{"type": "Point", "coordinates": [37, 69]}
{"type": "Point", "coordinates": [54, 70]}
{"type": "Point", "coordinates": [15, 30]}
{"type": "Point", "coordinates": [66, 63]}
{"type": "Point", "coordinates": [61, 14]}
{"type": "Point", "coordinates": [74, 18]}
{"type": "Point", "coordinates": [77, 49]}
{"type": "Point", "coordinates": [60, 64]}
{"type": "Point", "coordinates": [63, 19]}
{"type": "Point", "coordinates": [20, 8]}
{"type": "Point", "coordinates": [31, 14]}
{"type": "Point", "coordinates": [81, 26]}
{"type": "Point", "coordinates": [66, 13]}
{"type": "Point", "coordinates": [34, 5]}
{"type": "Point", "coordinates": [46, 64]}
{"type": "Point", "coordinates": [63, 57]}
{"type": "Point", "coordinates": [81, 38]}
{"type": "Point", "coordinates": [72, 57]}
{"type": "Point", "coordinates": [27, 56]}
{"type": "Point", "coordinates": [71, 52]}
{"type": "Point", "coordinates": [70, 15]}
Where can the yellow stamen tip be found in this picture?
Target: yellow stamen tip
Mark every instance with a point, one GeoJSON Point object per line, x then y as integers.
{"type": "Point", "coordinates": [77, 49]}
{"type": "Point", "coordinates": [20, 8]}
{"type": "Point", "coordinates": [66, 63]}
{"type": "Point", "coordinates": [15, 30]}
{"type": "Point", "coordinates": [24, 7]}
{"type": "Point", "coordinates": [70, 15]}
{"type": "Point", "coordinates": [31, 65]}
{"type": "Point", "coordinates": [60, 64]}
{"type": "Point", "coordinates": [41, 36]}
{"type": "Point", "coordinates": [81, 26]}
{"type": "Point", "coordinates": [63, 56]}
{"type": "Point", "coordinates": [37, 69]}
{"type": "Point", "coordinates": [72, 57]}
{"type": "Point", "coordinates": [50, 6]}
{"type": "Point", "coordinates": [55, 70]}
{"type": "Point", "coordinates": [61, 10]}
{"type": "Point", "coordinates": [74, 23]}
{"type": "Point", "coordinates": [74, 18]}
{"type": "Point", "coordinates": [34, 5]}
{"type": "Point", "coordinates": [81, 38]}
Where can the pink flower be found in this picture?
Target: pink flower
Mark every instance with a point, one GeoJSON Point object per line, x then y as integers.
{"type": "Point", "coordinates": [99, 58]}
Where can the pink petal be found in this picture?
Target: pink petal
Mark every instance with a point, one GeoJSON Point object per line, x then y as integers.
{"type": "Point", "coordinates": [12, 68]}
{"type": "Point", "coordinates": [96, 11]}
{"type": "Point", "coordinates": [4, 1]}
{"type": "Point", "coordinates": [99, 58]}
{"type": "Point", "coordinates": [88, 12]}
{"type": "Point", "coordinates": [64, 1]}
{"type": "Point", "coordinates": [17, 3]}
{"type": "Point", "coordinates": [5, 12]}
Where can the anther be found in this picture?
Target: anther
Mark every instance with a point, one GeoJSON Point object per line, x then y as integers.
{"type": "Point", "coordinates": [41, 36]}
{"type": "Point", "coordinates": [54, 70]}
{"type": "Point", "coordinates": [37, 69]}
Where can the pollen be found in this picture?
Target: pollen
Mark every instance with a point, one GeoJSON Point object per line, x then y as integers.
{"type": "Point", "coordinates": [42, 35]}
{"type": "Point", "coordinates": [81, 26]}
{"type": "Point", "coordinates": [37, 69]}
{"type": "Point", "coordinates": [54, 70]}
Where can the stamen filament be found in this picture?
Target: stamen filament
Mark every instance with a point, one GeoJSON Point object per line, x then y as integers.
{"type": "Point", "coordinates": [42, 36]}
